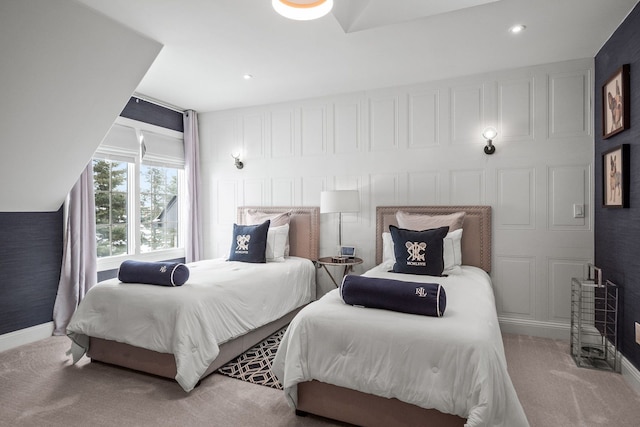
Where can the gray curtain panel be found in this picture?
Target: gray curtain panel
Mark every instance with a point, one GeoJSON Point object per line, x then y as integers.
{"type": "Point", "coordinates": [79, 263]}
{"type": "Point", "coordinates": [192, 171]}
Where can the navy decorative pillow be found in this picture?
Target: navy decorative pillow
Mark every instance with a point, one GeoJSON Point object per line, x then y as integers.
{"type": "Point", "coordinates": [153, 273]}
{"type": "Point", "coordinates": [418, 252]}
{"type": "Point", "coordinates": [428, 299]}
{"type": "Point", "coordinates": [249, 242]}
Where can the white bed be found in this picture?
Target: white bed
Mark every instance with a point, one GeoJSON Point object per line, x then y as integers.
{"type": "Point", "coordinates": [377, 367]}
{"type": "Point", "coordinates": [187, 332]}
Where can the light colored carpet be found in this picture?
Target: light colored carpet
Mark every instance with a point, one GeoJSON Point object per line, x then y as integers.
{"type": "Point", "coordinates": [38, 387]}
{"type": "Point", "coordinates": [555, 392]}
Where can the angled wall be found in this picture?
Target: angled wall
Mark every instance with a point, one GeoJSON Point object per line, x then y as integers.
{"type": "Point", "coordinates": [67, 72]}
{"type": "Point", "coordinates": [617, 231]}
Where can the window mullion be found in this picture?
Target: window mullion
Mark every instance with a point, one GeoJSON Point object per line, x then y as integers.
{"type": "Point", "coordinates": [134, 206]}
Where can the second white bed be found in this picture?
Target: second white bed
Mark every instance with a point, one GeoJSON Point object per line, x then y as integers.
{"type": "Point", "coordinates": [454, 364]}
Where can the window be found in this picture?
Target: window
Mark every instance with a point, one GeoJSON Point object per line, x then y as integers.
{"type": "Point", "coordinates": [139, 187]}
{"type": "Point", "coordinates": [158, 208]}
{"type": "Point", "coordinates": [110, 186]}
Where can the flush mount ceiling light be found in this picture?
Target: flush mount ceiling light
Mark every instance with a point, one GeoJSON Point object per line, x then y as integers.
{"type": "Point", "coordinates": [516, 29]}
{"type": "Point", "coordinates": [302, 10]}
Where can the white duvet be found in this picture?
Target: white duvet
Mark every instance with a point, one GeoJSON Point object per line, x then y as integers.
{"type": "Point", "coordinates": [220, 301]}
{"type": "Point", "coordinates": [455, 364]}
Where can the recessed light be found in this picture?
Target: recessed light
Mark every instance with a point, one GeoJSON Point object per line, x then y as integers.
{"type": "Point", "coordinates": [517, 29]}
{"type": "Point", "coordinates": [247, 76]}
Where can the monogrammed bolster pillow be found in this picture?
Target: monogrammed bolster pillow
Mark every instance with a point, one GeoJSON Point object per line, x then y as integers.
{"type": "Point", "coordinates": [427, 299]}
{"type": "Point", "coordinates": [418, 252]}
{"type": "Point", "coordinates": [153, 273]}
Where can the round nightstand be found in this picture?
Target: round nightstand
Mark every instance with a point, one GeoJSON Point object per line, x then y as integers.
{"type": "Point", "coordinates": [347, 263]}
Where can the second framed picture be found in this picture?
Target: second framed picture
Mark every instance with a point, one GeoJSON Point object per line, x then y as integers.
{"type": "Point", "coordinates": [615, 177]}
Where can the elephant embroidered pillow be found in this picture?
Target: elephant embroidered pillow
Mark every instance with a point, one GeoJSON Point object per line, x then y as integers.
{"type": "Point", "coordinates": [249, 242]}
{"type": "Point", "coordinates": [418, 252]}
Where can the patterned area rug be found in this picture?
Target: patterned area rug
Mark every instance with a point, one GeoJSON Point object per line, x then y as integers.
{"type": "Point", "coordinates": [254, 365]}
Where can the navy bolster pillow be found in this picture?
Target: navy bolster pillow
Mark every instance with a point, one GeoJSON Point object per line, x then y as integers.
{"type": "Point", "coordinates": [153, 273]}
{"type": "Point", "coordinates": [428, 299]}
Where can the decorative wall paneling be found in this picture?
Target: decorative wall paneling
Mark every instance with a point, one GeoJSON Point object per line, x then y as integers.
{"type": "Point", "coordinates": [422, 144]}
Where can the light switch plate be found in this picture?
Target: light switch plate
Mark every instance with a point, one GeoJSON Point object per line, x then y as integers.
{"type": "Point", "coordinates": [637, 333]}
{"type": "Point", "coordinates": [578, 210]}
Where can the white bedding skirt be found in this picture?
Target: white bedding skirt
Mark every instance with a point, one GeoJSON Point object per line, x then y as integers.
{"type": "Point", "coordinates": [455, 363]}
{"type": "Point", "coordinates": [222, 300]}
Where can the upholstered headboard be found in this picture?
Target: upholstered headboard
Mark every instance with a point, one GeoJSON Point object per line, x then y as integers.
{"type": "Point", "coordinates": [304, 227]}
{"type": "Point", "coordinates": [476, 234]}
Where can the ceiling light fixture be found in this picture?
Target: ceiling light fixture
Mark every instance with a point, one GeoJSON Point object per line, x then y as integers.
{"type": "Point", "coordinates": [516, 29]}
{"type": "Point", "coordinates": [247, 76]}
{"type": "Point", "coordinates": [302, 10]}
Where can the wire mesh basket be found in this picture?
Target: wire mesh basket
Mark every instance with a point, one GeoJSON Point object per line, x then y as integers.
{"type": "Point", "coordinates": [594, 323]}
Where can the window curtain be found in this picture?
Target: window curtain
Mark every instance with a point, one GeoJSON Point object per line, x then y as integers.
{"type": "Point", "coordinates": [193, 241]}
{"type": "Point", "coordinates": [79, 263]}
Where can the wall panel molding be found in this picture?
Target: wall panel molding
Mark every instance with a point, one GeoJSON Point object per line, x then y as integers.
{"type": "Point", "coordinates": [561, 271]}
{"type": "Point", "coordinates": [383, 123]}
{"type": "Point", "coordinates": [568, 185]}
{"type": "Point", "coordinates": [515, 283]}
{"type": "Point", "coordinates": [424, 118]}
{"type": "Point", "coordinates": [569, 104]}
{"type": "Point", "coordinates": [516, 109]}
{"type": "Point", "coordinates": [516, 204]}
{"type": "Point", "coordinates": [313, 130]}
{"type": "Point", "coordinates": [467, 113]}
{"type": "Point", "coordinates": [282, 133]}
{"type": "Point", "coordinates": [346, 127]}
{"type": "Point", "coordinates": [467, 187]}
{"type": "Point", "coordinates": [253, 136]}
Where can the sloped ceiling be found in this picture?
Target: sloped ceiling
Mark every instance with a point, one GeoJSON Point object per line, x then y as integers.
{"type": "Point", "coordinates": [66, 73]}
{"type": "Point", "coordinates": [361, 45]}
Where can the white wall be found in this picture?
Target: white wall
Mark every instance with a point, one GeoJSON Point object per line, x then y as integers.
{"type": "Point", "coordinates": [66, 73]}
{"type": "Point", "coordinates": [422, 145]}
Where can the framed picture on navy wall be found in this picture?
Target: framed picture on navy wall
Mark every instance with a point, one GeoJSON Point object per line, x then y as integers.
{"type": "Point", "coordinates": [615, 177]}
{"type": "Point", "coordinates": [615, 103]}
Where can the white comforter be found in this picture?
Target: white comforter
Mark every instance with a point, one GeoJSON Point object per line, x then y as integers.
{"type": "Point", "coordinates": [220, 301]}
{"type": "Point", "coordinates": [455, 364]}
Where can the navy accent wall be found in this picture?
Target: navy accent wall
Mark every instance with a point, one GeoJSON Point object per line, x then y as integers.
{"type": "Point", "coordinates": [617, 231]}
{"type": "Point", "coordinates": [30, 261]}
{"type": "Point", "coordinates": [144, 111]}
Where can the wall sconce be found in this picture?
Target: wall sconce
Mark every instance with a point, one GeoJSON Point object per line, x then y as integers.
{"type": "Point", "coordinates": [489, 134]}
{"type": "Point", "coordinates": [237, 163]}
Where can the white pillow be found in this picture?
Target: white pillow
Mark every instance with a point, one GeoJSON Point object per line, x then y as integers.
{"type": "Point", "coordinates": [419, 222]}
{"type": "Point", "coordinates": [277, 242]}
{"type": "Point", "coordinates": [387, 248]}
{"type": "Point", "coordinates": [256, 216]}
{"type": "Point", "coordinates": [451, 251]}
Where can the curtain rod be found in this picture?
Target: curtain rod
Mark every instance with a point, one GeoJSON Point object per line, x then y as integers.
{"type": "Point", "coordinates": [159, 103]}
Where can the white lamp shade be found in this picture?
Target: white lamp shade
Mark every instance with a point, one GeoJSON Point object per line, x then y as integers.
{"type": "Point", "coordinates": [339, 201]}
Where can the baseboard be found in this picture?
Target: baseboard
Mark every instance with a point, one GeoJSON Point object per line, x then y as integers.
{"type": "Point", "coordinates": [536, 328]}
{"type": "Point", "coordinates": [25, 336]}
{"type": "Point", "coordinates": [630, 374]}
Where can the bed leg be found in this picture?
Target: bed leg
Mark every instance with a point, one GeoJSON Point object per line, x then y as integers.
{"type": "Point", "coordinates": [301, 413]}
